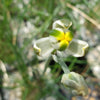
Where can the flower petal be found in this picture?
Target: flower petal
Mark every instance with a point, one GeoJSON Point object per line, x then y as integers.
{"type": "Point", "coordinates": [62, 24]}
{"type": "Point", "coordinates": [54, 43]}
{"type": "Point", "coordinates": [43, 47]}
{"type": "Point", "coordinates": [77, 48]}
{"type": "Point", "coordinates": [68, 36]}
{"type": "Point", "coordinates": [63, 45]}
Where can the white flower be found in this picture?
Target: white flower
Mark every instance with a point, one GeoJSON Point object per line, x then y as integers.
{"type": "Point", "coordinates": [60, 40]}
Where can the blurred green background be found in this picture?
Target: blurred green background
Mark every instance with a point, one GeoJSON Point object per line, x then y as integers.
{"type": "Point", "coordinates": [23, 21]}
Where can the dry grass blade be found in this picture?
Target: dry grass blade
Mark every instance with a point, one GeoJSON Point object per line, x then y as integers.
{"type": "Point", "coordinates": [84, 15]}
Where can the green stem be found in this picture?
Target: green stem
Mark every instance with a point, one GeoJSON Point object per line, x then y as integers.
{"type": "Point", "coordinates": [62, 64]}
{"type": "Point", "coordinates": [47, 63]}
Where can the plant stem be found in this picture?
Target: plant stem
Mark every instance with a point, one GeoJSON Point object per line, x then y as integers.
{"type": "Point", "coordinates": [62, 64]}
{"type": "Point", "coordinates": [47, 63]}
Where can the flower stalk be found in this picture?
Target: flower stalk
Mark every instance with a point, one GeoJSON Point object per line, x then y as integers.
{"type": "Point", "coordinates": [61, 63]}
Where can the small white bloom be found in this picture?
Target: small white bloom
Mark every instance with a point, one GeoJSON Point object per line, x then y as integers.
{"type": "Point", "coordinates": [60, 40]}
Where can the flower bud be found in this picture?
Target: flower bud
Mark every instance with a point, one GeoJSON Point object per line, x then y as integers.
{"type": "Point", "coordinates": [76, 83]}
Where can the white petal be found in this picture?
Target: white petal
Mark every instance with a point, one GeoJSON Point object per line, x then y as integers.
{"type": "Point", "coordinates": [43, 47]}
{"type": "Point", "coordinates": [55, 44]}
{"type": "Point", "coordinates": [77, 48]}
{"type": "Point", "coordinates": [62, 24]}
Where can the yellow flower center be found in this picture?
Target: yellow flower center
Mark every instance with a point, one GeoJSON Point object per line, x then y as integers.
{"type": "Point", "coordinates": [63, 38]}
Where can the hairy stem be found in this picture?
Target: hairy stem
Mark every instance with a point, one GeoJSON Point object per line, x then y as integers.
{"type": "Point", "coordinates": [61, 63]}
